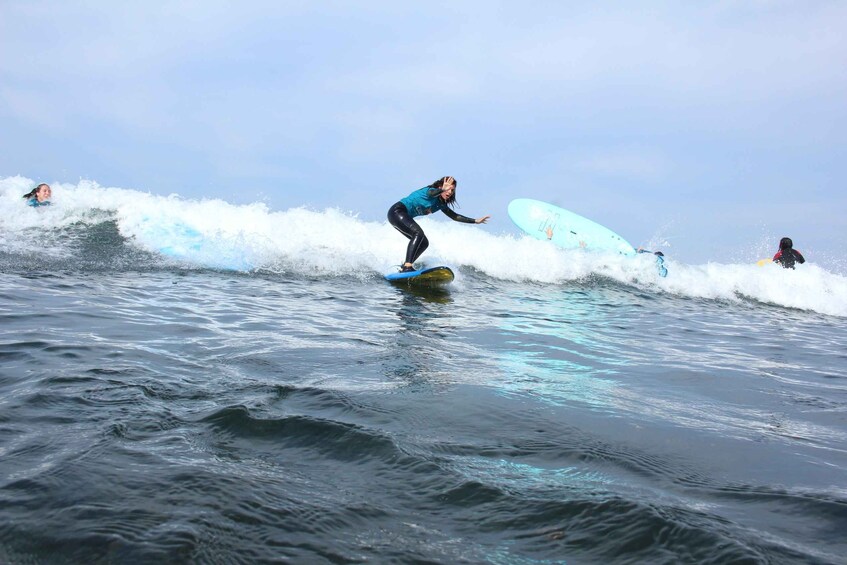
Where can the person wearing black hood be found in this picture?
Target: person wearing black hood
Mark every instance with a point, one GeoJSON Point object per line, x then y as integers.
{"type": "Point", "coordinates": [787, 255]}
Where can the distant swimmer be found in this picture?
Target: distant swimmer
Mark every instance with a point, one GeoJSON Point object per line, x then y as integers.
{"type": "Point", "coordinates": [440, 195]}
{"type": "Point", "coordinates": [787, 256]}
{"type": "Point", "coordinates": [39, 196]}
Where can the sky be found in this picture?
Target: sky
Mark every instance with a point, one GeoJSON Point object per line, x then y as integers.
{"type": "Point", "coordinates": [705, 129]}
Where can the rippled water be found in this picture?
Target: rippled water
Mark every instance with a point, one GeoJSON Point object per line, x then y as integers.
{"type": "Point", "coordinates": [155, 414]}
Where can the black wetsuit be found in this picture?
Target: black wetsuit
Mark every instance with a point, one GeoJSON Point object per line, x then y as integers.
{"type": "Point", "coordinates": [787, 258]}
{"type": "Point", "coordinates": [401, 219]}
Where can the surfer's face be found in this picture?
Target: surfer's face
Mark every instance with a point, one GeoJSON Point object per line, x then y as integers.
{"type": "Point", "coordinates": [448, 188]}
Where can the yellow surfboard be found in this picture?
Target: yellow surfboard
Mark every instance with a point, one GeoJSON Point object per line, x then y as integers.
{"type": "Point", "coordinates": [433, 277]}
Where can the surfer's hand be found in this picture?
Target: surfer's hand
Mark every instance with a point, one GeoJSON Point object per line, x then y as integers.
{"type": "Point", "coordinates": [482, 220]}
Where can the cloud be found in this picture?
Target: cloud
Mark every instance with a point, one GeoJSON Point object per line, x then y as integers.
{"type": "Point", "coordinates": [631, 163]}
{"type": "Point", "coordinates": [668, 97]}
{"type": "Point", "coordinates": [32, 106]}
{"type": "Point", "coordinates": [137, 65]}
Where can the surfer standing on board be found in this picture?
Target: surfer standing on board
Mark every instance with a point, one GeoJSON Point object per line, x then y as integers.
{"type": "Point", "coordinates": [440, 195]}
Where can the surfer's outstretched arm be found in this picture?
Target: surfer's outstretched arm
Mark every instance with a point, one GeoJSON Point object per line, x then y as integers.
{"type": "Point", "coordinates": [464, 219]}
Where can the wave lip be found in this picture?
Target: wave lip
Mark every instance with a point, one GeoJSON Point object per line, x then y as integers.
{"type": "Point", "coordinates": [114, 228]}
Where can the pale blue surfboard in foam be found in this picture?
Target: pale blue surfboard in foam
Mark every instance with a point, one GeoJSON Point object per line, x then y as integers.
{"type": "Point", "coordinates": [180, 241]}
{"type": "Point", "coordinates": [570, 230]}
{"type": "Point", "coordinates": [171, 238]}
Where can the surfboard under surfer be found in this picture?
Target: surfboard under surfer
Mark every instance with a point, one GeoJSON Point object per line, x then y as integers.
{"type": "Point", "coordinates": [440, 195]}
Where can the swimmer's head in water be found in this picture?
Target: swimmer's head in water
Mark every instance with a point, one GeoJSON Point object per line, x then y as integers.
{"type": "Point", "coordinates": [41, 193]}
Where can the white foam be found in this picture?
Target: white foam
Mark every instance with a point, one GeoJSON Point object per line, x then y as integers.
{"type": "Point", "coordinates": [214, 233]}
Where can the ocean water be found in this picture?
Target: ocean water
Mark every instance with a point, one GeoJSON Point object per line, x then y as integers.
{"type": "Point", "coordinates": [196, 382]}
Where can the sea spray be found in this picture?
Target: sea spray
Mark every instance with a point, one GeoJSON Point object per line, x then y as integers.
{"type": "Point", "coordinates": [212, 233]}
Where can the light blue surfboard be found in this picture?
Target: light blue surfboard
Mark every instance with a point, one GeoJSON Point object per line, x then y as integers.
{"type": "Point", "coordinates": [570, 230]}
{"type": "Point", "coordinates": [434, 276]}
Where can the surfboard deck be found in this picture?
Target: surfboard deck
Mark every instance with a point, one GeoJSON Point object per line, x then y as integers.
{"type": "Point", "coordinates": [570, 230]}
{"type": "Point", "coordinates": [433, 276]}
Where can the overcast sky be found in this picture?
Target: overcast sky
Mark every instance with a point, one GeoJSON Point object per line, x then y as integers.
{"type": "Point", "coordinates": [709, 126]}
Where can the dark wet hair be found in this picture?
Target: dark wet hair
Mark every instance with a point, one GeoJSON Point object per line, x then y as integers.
{"type": "Point", "coordinates": [786, 243]}
{"type": "Point", "coordinates": [439, 184]}
{"type": "Point", "coordinates": [33, 192]}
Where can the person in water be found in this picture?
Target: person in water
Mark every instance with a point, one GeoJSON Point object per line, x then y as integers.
{"type": "Point", "coordinates": [39, 196]}
{"type": "Point", "coordinates": [787, 256]}
{"type": "Point", "coordinates": [440, 195]}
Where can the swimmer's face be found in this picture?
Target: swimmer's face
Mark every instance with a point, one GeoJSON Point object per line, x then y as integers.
{"type": "Point", "coordinates": [43, 193]}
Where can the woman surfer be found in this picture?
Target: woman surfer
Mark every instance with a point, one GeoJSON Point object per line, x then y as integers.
{"type": "Point", "coordinates": [440, 195]}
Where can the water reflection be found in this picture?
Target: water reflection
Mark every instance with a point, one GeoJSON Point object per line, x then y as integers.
{"type": "Point", "coordinates": [555, 347]}
{"type": "Point", "coordinates": [423, 334]}
{"type": "Point", "coordinates": [439, 295]}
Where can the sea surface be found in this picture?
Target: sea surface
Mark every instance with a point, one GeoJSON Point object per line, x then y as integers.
{"type": "Point", "coordinates": [197, 382]}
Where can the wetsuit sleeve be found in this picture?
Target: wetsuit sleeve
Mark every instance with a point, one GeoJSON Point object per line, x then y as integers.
{"type": "Point", "coordinates": [457, 217]}
{"type": "Point", "coordinates": [799, 257]}
{"type": "Point", "coordinates": [777, 256]}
